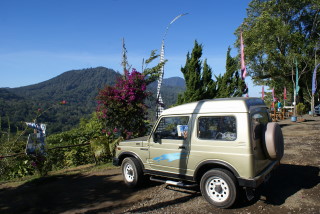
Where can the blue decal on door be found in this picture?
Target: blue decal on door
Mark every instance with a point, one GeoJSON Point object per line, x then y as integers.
{"type": "Point", "coordinates": [171, 157]}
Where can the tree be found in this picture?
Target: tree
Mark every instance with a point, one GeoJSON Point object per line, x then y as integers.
{"type": "Point", "coordinates": [199, 82]}
{"type": "Point", "coordinates": [230, 83]}
{"type": "Point", "coordinates": [199, 85]}
{"type": "Point", "coordinates": [122, 108]}
{"type": "Point", "coordinates": [276, 33]}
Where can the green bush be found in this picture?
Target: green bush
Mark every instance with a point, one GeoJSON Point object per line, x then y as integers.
{"type": "Point", "coordinates": [59, 155]}
{"type": "Point", "coordinates": [301, 109]}
{"type": "Point", "coordinates": [16, 166]}
{"type": "Point", "coordinates": [78, 156]}
{"type": "Point", "coordinates": [104, 148]}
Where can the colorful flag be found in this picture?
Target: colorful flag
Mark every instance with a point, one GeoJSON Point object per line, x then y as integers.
{"type": "Point", "coordinates": [314, 80]}
{"type": "Point", "coordinates": [285, 93]}
{"type": "Point", "coordinates": [297, 78]}
{"type": "Point", "coordinates": [262, 94]}
{"type": "Point", "coordinates": [243, 66]}
{"type": "Point", "coordinates": [273, 98]}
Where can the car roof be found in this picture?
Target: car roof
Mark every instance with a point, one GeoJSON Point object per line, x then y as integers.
{"type": "Point", "coordinates": [220, 105]}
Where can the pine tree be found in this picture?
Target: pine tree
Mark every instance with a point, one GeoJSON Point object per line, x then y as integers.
{"type": "Point", "coordinates": [192, 75]}
{"type": "Point", "coordinates": [230, 84]}
{"type": "Point", "coordinates": [208, 85]}
{"type": "Point", "coordinates": [199, 82]}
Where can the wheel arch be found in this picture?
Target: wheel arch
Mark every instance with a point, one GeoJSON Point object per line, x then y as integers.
{"type": "Point", "coordinates": [124, 155]}
{"type": "Point", "coordinates": [211, 164]}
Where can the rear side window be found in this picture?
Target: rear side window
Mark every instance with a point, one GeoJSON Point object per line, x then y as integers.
{"type": "Point", "coordinates": [217, 128]}
{"type": "Point", "coordinates": [258, 121]}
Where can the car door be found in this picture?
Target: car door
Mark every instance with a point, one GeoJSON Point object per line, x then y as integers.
{"type": "Point", "coordinates": [169, 144]}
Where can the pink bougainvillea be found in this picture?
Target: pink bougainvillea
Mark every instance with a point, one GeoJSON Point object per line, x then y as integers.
{"type": "Point", "coordinates": [122, 108]}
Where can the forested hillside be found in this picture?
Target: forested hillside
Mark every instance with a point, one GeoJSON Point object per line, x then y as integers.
{"type": "Point", "coordinates": [170, 89]}
{"type": "Point", "coordinates": [78, 87]}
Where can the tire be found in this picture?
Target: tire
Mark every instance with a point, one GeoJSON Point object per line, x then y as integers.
{"type": "Point", "coordinates": [274, 143]}
{"type": "Point", "coordinates": [219, 187]}
{"type": "Point", "coordinates": [132, 172]}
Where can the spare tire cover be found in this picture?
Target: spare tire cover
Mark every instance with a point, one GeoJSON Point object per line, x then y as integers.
{"type": "Point", "coordinates": [274, 144]}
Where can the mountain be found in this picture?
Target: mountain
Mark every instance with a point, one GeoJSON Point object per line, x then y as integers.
{"type": "Point", "coordinates": [175, 81]}
{"type": "Point", "coordinates": [12, 108]}
{"type": "Point", "coordinates": [170, 89]}
{"type": "Point", "coordinates": [79, 88]}
{"type": "Point", "coordinates": [76, 86]}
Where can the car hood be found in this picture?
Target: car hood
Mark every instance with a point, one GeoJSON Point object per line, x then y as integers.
{"type": "Point", "coordinates": [140, 141]}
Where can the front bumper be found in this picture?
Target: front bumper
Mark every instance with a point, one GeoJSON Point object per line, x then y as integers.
{"type": "Point", "coordinates": [259, 179]}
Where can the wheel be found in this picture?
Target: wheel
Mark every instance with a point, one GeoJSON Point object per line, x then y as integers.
{"type": "Point", "coordinates": [274, 144]}
{"type": "Point", "coordinates": [219, 188]}
{"type": "Point", "coordinates": [132, 172]}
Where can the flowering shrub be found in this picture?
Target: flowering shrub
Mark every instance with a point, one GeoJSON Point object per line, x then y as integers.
{"type": "Point", "coordinates": [63, 102]}
{"type": "Point", "coordinates": [121, 107]}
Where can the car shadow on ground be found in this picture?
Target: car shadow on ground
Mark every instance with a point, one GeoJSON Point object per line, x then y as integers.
{"type": "Point", "coordinates": [162, 205]}
{"type": "Point", "coordinates": [283, 125]}
{"type": "Point", "coordinates": [308, 120]}
{"type": "Point", "coordinates": [57, 194]}
{"type": "Point", "coordinates": [286, 181]}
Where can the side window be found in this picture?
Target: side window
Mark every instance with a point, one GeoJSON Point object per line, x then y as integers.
{"type": "Point", "coordinates": [258, 121]}
{"type": "Point", "coordinates": [172, 128]}
{"type": "Point", "coordinates": [217, 128]}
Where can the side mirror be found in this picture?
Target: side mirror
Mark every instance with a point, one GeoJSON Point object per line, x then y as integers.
{"type": "Point", "coordinates": [156, 137]}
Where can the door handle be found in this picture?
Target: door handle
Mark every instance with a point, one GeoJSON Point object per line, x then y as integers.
{"type": "Point", "coordinates": [182, 147]}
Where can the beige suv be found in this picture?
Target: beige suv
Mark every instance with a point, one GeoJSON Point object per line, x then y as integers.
{"type": "Point", "coordinates": [223, 145]}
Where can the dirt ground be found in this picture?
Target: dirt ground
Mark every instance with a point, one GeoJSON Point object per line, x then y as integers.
{"type": "Point", "coordinates": [293, 188]}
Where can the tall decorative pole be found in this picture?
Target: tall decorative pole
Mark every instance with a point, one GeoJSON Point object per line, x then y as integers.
{"type": "Point", "coordinates": [314, 87]}
{"type": "Point", "coordinates": [296, 88]}
{"type": "Point", "coordinates": [160, 104]}
{"type": "Point", "coordinates": [314, 77]}
{"type": "Point", "coordinates": [124, 62]}
{"type": "Point", "coordinates": [242, 62]}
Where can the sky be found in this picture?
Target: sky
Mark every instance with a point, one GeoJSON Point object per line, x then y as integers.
{"type": "Point", "coordinates": [40, 40]}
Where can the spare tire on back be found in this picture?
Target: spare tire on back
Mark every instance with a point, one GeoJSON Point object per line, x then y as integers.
{"type": "Point", "coordinates": [274, 143]}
